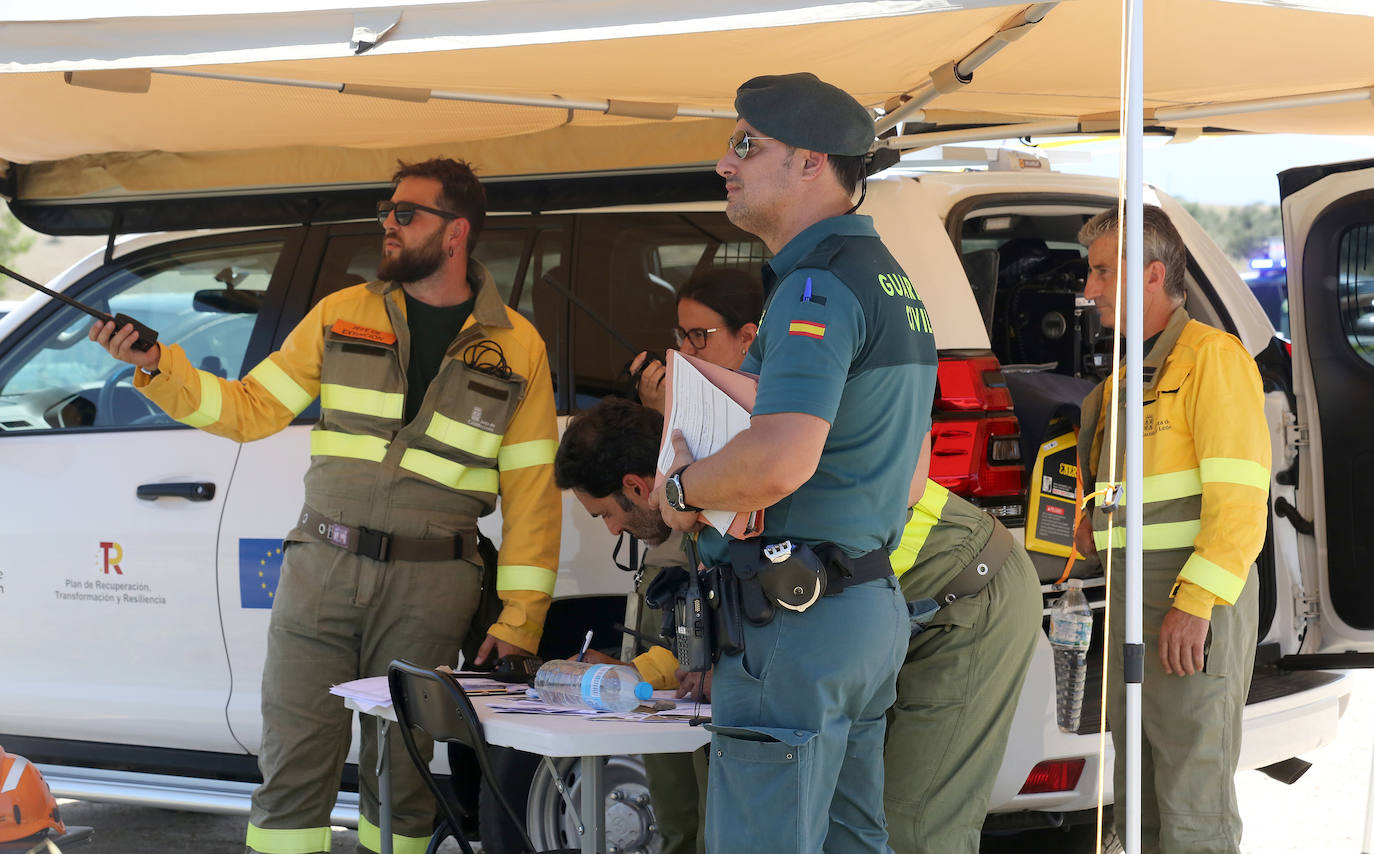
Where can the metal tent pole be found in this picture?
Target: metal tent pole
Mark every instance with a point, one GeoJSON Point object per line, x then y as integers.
{"type": "Point", "coordinates": [1133, 656]}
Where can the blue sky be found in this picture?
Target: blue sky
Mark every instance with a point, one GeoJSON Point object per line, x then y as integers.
{"type": "Point", "coordinates": [1233, 170]}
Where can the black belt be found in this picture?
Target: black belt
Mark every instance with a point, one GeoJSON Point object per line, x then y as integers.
{"type": "Point", "coordinates": [382, 546]}
{"type": "Point", "coordinates": [844, 571]}
{"type": "Point", "coordinates": [980, 571]}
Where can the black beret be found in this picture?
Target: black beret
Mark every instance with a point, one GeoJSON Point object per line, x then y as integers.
{"type": "Point", "coordinates": [805, 111]}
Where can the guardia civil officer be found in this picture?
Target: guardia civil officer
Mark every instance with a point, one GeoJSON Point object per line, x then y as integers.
{"type": "Point", "coordinates": [1205, 506]}
{"type": "Point", "coordinates": [435, 398]}
{"type": "Point", "coordinates": [959, 686]}
{"type": "Point", "coordinates": [846, 363]}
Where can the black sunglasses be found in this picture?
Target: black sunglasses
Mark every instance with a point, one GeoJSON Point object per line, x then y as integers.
{"type": "Point", "coordinates": [405, 212]}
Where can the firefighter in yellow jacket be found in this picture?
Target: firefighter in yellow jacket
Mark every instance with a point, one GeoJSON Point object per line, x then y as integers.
{"type": "Point", "coordinates": [1205, 491]}
{"type": "Point", "coordinates": [435, 399]}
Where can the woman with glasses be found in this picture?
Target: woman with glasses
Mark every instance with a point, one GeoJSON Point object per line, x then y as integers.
{"type": "Point", "coordinates": [717, 319]}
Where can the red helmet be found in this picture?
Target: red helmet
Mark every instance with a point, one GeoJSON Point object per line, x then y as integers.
{"type": "Point", "coordinates": [27, 807]}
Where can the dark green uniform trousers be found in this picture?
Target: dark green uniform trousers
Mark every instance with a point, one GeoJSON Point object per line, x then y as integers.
{"type": "Point", "coordinates": [956, 696]}
{"type": "Point", "coordinates": [338, 617]}
{"type": "Point", "coordinates": [1190, 725]}
{"type": "Point", "coordinates": [677, 781]}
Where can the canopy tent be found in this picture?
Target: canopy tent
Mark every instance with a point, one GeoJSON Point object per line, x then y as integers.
{"type": "Point", "coordinates": [156, 101]}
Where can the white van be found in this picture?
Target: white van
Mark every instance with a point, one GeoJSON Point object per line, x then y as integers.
{"type": "Point", "coordinates": [141, 556]}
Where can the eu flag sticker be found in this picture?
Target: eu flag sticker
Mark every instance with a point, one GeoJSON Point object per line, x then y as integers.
{"type": "Point", "coordinates": [259, 570]}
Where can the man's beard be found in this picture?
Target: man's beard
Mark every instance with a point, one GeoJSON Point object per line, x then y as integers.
{"type": "Point", "coordinates": [412, 265]}
{"type": "Point", "coordinates": [644, 523]}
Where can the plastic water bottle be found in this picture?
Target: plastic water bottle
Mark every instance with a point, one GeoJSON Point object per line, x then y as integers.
{"type": "Point", "coordinates": [1071, 632]}
{"type": "Point", "coordinates": [581, 684]}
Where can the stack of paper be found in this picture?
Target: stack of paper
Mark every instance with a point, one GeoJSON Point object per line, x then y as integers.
{"type": "Point", "coordinates": [710, 405]}
{"type": "Point", "coordinates": [374, 692]}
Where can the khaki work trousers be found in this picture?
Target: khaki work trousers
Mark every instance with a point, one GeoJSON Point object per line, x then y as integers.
{"type": "Point", "coordinates": [677, 781]}
{"type": "Point", "coordinates": [957, 693]}
{"type": "Point", "coordinates": [1190, 725]}
{"type": "Point", "coordinates": [338, 617]}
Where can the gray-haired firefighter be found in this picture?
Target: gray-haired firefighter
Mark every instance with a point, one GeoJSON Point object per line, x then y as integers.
{"type": "Point", "coordinates": [435, 399]}
{"type": "Point", "coordinates": [1205, 508]}
{"type": "Point", "coordinates": [958, 688]}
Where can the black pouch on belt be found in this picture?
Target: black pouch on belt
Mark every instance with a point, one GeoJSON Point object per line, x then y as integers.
{"type": "Point", "coordinates": [727, 619]}
{"type": "Point", "coordinates": [790, 575]}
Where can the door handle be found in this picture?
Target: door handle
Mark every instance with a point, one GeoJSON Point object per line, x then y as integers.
{"type": "Point", "coordinates": [194, 491]}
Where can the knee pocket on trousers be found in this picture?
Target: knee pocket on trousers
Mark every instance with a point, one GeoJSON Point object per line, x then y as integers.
{"type": "Point", "coordinates": [768, 772]}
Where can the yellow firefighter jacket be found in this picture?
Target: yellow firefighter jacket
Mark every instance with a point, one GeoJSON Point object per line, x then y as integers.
{"type": "Point", "coordinates": [486, 427]}
{"type": "Point", "coordinates": [1207, 459]}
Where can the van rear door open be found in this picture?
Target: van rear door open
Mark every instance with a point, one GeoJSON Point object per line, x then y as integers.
{"type": "Point", "coordinates": [1328, 218]}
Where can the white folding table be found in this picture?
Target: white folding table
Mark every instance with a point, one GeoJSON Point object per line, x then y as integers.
{"type": "Point", "coordinates": [552, 736]}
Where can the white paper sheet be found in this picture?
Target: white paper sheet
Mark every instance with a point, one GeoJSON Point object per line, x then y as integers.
{"type": "Point", "coordinates": [707, 417]}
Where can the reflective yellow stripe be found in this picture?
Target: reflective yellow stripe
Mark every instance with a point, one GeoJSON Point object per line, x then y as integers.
{"type": "Point", "coordinates": [281, 386]}
{"type": "Point", "coordinates": [1213, 578]}
{"type": "Point", "coordinates": [924, 516]}
{"type": "Point", "coordinates": [303, 840]}
{"type": "Point", "coordinates": [464, 437]}
{"type": "Point", "coordinates": [364, 401]}
{"type": "Point", "coordinates": [451, 474]}
{"type": "Point", "coordinates": [512, 576]}
{"type": "Point", "coordinates": [370, 837]}
{"type": "Point", "coordinates": [1118, 535]}
{"type": "Point", "coordinates": [525, 454]}
{"type": "Point", "coordinates": [330, 443]}
{"type": "Point", "coordinates": [211, 402]}
{"type": "Point", "coordinates": [1160, 536]}
{"type": "Point", "coordinates": [1174, 484]}
{"type": "Point", "coordinates": [1231, 470]}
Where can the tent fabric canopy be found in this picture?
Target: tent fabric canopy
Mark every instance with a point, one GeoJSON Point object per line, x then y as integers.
{"type": "Point", "coordinates": [202, 133]}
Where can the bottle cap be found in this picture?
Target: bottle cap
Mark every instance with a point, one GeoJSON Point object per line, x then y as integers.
{"type": "Point", "coordinates": [1075, 583]}
{"type": "Point", "coordinates": [644, 691]}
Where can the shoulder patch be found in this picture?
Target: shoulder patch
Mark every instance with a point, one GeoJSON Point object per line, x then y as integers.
{"type": "Point", "coordinates": [809, 328]}
{"type": "Point", "coordinates": [364, 333]}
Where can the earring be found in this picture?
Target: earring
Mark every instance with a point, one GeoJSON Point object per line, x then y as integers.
{"type": "Point", "coordinates": [450, 253]}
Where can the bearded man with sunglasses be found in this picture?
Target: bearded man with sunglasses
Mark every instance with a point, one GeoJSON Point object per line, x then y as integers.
{"type": "Point", "coordinates": [846, 363]}
{"type": "Point", "coordinates": [435, 398]}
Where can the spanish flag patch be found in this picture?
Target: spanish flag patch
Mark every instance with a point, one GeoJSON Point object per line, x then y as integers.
{"type": "Point", "coordinates": [809, 328]}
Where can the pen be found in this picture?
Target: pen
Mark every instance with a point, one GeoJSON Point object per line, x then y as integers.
{"type": "Point", "coordinates": [586, 643]}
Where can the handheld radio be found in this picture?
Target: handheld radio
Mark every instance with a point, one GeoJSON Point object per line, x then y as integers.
{"type": "Point", "coordinates": [146, 337]}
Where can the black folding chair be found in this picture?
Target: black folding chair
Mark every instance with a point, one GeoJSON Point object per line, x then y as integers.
{"type": "Point", "coordinates": [435, 703]}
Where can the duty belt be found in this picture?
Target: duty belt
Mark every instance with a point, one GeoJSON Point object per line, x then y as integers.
{"type": "Point", "coordinates": [979, 571]}
{"type": "Point", "coordinates": [380, 545]}
{"type": "Point", "coordinates": [845, 571]}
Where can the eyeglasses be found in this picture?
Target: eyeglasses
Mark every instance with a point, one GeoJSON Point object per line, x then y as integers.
{"type": "Point", "coordinates": [696, 336]}
{"type": "Point", "coordinates": [739, 143]}
{"type": "Point", "coordinates": [405, 212]}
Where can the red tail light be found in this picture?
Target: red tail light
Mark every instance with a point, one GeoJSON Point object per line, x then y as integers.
{"type": "Point", "coordinates": [975, 438]}
{"type": "Point", "coordinates": [1053, 775]}
{"type": "Point", "coordinates": [972, 384]}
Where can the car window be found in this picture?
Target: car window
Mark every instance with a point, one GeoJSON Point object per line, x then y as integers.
{"type": "Point", "coordinates": [204, 299]}
{"type": "Point", "coordinates": [1355, 289]}
{"type": "Point", "coordinates": [629, 267]}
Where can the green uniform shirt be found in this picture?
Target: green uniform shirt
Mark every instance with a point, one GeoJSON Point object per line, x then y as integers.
{"type": "Point", "coordinates": [844, 337]}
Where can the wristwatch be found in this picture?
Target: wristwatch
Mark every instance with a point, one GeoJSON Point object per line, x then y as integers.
{"type": "Point", "coordinates": [672, 490]}
{"type": "Point", "coordinates": [149, 372]}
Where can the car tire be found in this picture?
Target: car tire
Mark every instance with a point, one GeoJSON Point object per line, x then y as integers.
{"type": "Point", "coordinates": [532, 793]}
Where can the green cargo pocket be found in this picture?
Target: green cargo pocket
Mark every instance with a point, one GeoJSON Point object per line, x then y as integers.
{"type": "Point", "coordinates": [763, 771]}
{"type": "Point", "coordinates": [939, 660]}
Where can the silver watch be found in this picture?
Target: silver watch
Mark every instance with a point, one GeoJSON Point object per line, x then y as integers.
{"type": "Point", "coordinates": [673, 492]}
